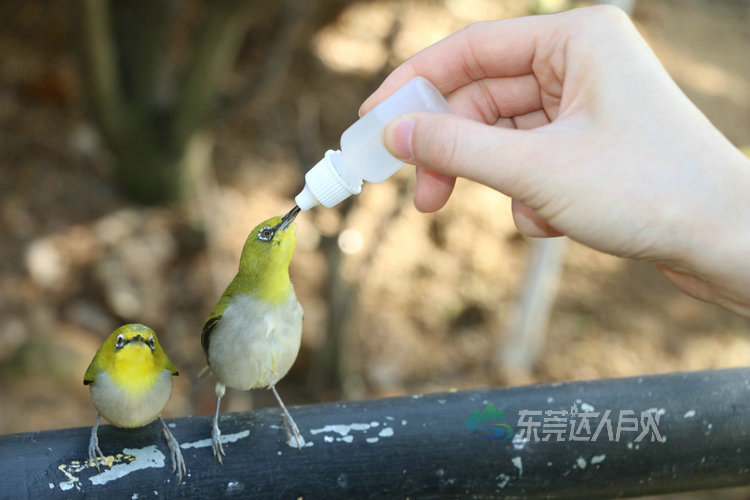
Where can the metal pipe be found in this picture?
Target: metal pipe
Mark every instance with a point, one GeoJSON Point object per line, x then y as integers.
{"type": "Point", "coordinates": [666, 433]}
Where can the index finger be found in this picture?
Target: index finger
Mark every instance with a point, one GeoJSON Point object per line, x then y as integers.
{"type": "Point", "coordinates": [489, 49]}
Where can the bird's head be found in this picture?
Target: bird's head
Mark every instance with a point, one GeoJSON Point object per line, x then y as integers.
{"type": "Point", "coordinates": [134, 340]}
{"type": "Point", "coordinates": [270, 245]}
{"type": "Point", "coordinates": [132, 356]}
{"type": "Point", "coordinates": [135, 346]}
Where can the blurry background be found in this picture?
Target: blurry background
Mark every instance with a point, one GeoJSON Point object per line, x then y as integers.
{"type": "Point", "coordinates": [139, 145]}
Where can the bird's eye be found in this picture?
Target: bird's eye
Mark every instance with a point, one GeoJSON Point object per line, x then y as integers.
{"type": "Point", "coordinates": [151, 343]}
{"type": "Point", "coordinates": [265, 234]}
{"type": "Point", "coordinates": [120, 341]}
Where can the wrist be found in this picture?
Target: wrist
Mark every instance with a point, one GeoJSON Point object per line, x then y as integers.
{"type": "Point", "coordinates": [722, 257]}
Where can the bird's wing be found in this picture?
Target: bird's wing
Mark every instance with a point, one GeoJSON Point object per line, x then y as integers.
{"type": "Point", "coordinates": [172, 368]}
{"type": "Point", "coordinates": [216, 315]}
{"type": "Point", "coordinates": [208, 327]}
{"type": "Point", "coordinates": [91, 372]}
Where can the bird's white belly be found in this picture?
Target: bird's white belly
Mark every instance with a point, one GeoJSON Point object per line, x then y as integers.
{"type": "Point", "coordinates": [255, 344]}
{"type": "Point", "coordinates": [125, 409]}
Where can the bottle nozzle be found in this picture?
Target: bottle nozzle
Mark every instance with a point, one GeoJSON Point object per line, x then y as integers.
{"type": "Point", "coordinates": [305, 199]}
{"type": "Point", "coordinates": [324, 185]}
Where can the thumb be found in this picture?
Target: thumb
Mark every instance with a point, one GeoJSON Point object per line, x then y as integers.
{"type": "Point", "coordinates": [458, 147]}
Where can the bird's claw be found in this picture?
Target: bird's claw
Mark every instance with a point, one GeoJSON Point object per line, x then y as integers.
{"type": "Point", "coordinates": [178, 463]}
{"type": "Point", "coordinates": [94, 451]}
{"type": "Point", "coordinates": [216, 444]}
{"type": "Point", "coordinates": [292, 431]}
{"type": "Point", "coordinates": [293, 435]}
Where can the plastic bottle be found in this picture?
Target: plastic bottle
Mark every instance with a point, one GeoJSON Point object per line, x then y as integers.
{"type": "Point", "coordinates": [362, 156]}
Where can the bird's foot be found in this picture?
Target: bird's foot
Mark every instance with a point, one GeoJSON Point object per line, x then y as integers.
{"type": "Point", "coordinates": [293, 435]}
{"type": "Point", "coordinates": [215, 432]}
{"type": "Point", "coordinates": [178, 463]}
{"type": "Point", "coordinates": [94, 451]}
{"type": "Point", "coordinates": [216, 443]}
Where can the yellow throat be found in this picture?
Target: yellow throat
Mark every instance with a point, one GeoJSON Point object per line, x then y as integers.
{"type": "Point", "coordinates": [132, 358]}
{"type": "Point", "coordinates": [264, 264]}
{"type": "Point", "coordinates": [135, 368]}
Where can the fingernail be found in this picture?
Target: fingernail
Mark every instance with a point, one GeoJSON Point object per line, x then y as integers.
{"type": "Point", "coordinates": [397, 138]}
{"type": "Point", "coordinates": [365, 105]}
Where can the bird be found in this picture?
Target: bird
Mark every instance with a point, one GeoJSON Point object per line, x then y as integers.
{"type": "Point", "coordinates": [252, 336]}
{"type": "Point", "coordinates": [130, 381]}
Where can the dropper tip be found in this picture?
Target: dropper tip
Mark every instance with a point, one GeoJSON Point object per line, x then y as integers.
{"type": "Point", "coordinates": [306, 200]}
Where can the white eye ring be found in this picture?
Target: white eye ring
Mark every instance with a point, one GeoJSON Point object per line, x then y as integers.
{"type": "Point", "coordinates": [151, 342]}
{"type": "Point", "coordinates": [266, 233]}
{"type": "Point", "coordinates": [120, 341]}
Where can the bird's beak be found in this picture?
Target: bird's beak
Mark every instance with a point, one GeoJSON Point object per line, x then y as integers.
{"type": "Point", "coordinates": [289, 218]}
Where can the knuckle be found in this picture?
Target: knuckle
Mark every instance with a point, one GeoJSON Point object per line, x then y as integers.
{"type": "Point", "coordinates": [610, 15]}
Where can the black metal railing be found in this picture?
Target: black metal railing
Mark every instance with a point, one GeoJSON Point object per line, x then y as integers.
{"type": "Point", "coordinates": [659, 433]}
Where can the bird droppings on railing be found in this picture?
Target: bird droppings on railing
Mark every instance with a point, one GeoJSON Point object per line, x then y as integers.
{"type": "Point", "coordinates": [597, 459]}
{"type": "Point", "coordinates": [137, 459]}
{"type": "Point", "coordinates": [225, 438]}
{"type": "Point", "coordinates": [119, 466]}
{"type": "Point", "coordinates": [519, 441]}
{"type": "Point", "coordinates": [585, 406]}
{"type": "Point", "coordinates": [72, 481]}
{"type": "Point", "coordinates": [345, 431]}
{"type": "Point", "coordinates": [518, 464]}
{"type": "Point", "coordinates": [502, 480]}
{"type": "Point", "coordinates": [234, 487]}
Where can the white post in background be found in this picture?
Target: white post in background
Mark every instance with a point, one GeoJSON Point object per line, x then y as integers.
{"type": "Point", "coordinates": [528, 325]}
{"type": "Point", "coordinates": [527, 328]}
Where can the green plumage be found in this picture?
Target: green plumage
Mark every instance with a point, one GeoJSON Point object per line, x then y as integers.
{"type": "Point", "coordinates": [253, 335]}
{"type": "Point", "coordinates": [263, 272]}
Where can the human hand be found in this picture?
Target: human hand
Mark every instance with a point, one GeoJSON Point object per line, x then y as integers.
{"type": "Point", "coordinates": [574, 117]}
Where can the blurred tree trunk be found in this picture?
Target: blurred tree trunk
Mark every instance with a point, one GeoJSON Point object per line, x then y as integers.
{"type": "Point", "coordinates": [152, 102]}
{"type": "Point", "coordinates": [149, 99]}
{"type": "Point", "coordinates": [146, 122]}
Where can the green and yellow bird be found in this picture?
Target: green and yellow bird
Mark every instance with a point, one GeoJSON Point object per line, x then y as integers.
{"type": "Point", "coordinates": [253, 335]}
{"type": "Point", "coordinates": [130, 381]}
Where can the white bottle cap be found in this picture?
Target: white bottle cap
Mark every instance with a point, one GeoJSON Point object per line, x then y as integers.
{"type": "Point", "coordinates": [324, 186]}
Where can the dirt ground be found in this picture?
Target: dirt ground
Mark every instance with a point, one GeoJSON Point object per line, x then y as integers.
{"type": "Point", "coordinates": [429, 296]}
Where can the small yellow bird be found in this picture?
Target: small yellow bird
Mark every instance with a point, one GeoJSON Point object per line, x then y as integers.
{"type": "Point", "coordinates": [253, 335]}
{"type": "Point", "coordinates": [130, 381]}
